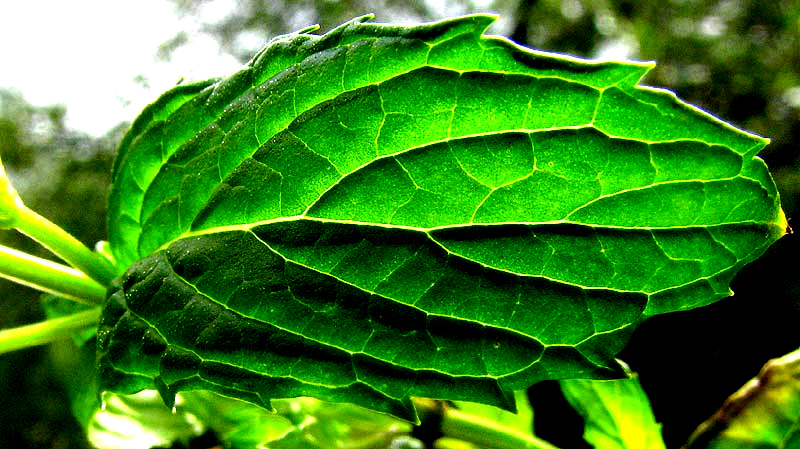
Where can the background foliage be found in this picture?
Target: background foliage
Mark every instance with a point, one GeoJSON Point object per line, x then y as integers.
{"type": "Point", "coordinates": [737, 58]}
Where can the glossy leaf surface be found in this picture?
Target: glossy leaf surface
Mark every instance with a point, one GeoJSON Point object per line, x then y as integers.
{"type": "Point", "coordinates": [383, 212]}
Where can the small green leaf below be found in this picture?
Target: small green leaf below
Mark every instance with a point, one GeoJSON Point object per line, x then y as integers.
{"type": "Point", "coordinates": [521, 421]}
{"type": "Point", "coordinates": [297, 422]}
{"type": "Point", "coordinates": [139, 421]}
{"type": "Point", "coordinates": [383, 212]}
{"type": "Point", "coordinates": [616, 413]}
{"type": "Point", "coordinates": [57, 307]}
{"type": "Point", "coordinates": [238, 424]}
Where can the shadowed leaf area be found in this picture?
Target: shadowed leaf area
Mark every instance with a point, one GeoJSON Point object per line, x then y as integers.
{"type": "Point", "coordinates": [383, 212]}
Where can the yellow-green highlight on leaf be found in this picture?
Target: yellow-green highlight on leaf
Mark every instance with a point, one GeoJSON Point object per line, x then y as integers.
{"type": "Point", "coordinates": [519, 421]}
{"type": "Point", "coordinates": [489, 427]}
{"type": "Point", "coordinates": [295, 423]}
{"type": "Point", "coordinates": [139, 421]}
{"type": "Point", "coordinates": [384, 212]}
{"type": "Point", "coordinates": [235, 423]}
{"type": "Point", "coordinates": [616, 413]}
{"type": "Point", "coordinates": [323, 425]}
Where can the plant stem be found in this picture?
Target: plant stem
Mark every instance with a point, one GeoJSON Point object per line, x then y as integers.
{"type": "Point", "coordinates": [15, 214]}
{"type": "Point", "coordinates": [486, 433]}
{"type": "Point", "coordinates": [481, 432]}
{"type": "Point", "coordinates": [46, 331]}
{"type": "Point", "coordinates": [64, 245]}
{"type": "Point", "coordinates": [50, 277]}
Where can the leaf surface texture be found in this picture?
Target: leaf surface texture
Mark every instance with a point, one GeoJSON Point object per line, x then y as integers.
{"type": "Point", "coordinates": [383, 212]}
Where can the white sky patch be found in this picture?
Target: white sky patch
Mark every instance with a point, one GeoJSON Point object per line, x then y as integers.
{"type": "Point", "coordinates": [87, 54]}
{"type": "Point", "coordinates": [624, 48]}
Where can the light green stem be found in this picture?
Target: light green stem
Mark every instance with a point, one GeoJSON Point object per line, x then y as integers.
{"type": "Point", "coordinates": [50, 277]}
{"type": "Point", "coordinates": [46, 331]}
{"type": "Point", "coordinates": [64, 245]}
{"type": "Point", "coordinates": [481, 432]}
{"type": "Point", "coordinates": [486, 433]}
{"type": "Point", "coordinates": [15, 214]}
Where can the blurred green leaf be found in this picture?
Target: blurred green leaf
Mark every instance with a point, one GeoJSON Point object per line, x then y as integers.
{"type": "Point", "coordinates": [240, 424]}
{"type": "Point", "coordinates": [295, 423]}
{"type": "Point", "coordinates": [57, 307]}
{"type": "Point", "coordinates": [139, 421]}
{"type": "Point", "coordinates": [325, 425]}
{"type": "Point", "coordinates": [763, 414]}
{"type": "Point", "coordinates": [617, 413]}
{"type": "Point", "coordinates": [521, 421]}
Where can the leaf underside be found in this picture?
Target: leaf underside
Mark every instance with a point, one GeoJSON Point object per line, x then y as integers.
{"type": "Point", "coordinates": [383, 212]}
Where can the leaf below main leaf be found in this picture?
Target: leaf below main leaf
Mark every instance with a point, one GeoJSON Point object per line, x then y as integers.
{"type": "Point", "coordinates": [384, 212]}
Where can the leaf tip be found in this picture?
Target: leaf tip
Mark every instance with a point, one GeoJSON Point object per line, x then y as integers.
{"type": "Point", "coordinates": [365, 18]}
{"type": "Point", "coordinates": [508, 401]}
{"type": "Point", "coordinates": [408, 411]}
{"type": "Point", "coordinates": [168, 395]}
{"type": "Point", "coordinates": [782, 226]}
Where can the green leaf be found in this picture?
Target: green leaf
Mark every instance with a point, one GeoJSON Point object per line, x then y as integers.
{"type": "Point", "coordinates": [383, 212]}
{"type": "Point", "coordinates": [483, 426]}
{"type": "Point", "coordinates": [521, 421]}
{"type": "Point", "coordinates": [139, 422]}
{"type": "Point", "coordinates": [763, 414]}
{"type": "Point", "coordinates": [58, 307]}
{"type": "Point", "coordinates": [298, 422]}
{"type": "Point", "coordinates": [616, 413]}
{"type": "Point", "coordinates": [324, 425]}
{"type": "Point", "coordinates": [238, 424]}
{"type": "Point", "coordinates": [75, 360]}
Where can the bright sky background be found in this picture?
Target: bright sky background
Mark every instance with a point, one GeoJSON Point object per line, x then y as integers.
{"type": "Point", "coordinates": [86, 54]}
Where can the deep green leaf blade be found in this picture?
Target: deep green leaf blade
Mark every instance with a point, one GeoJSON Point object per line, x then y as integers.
{"type": "Point", "coordinates": [384, 211]}
{"type": "Point", "coordinates": [297, 76]}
